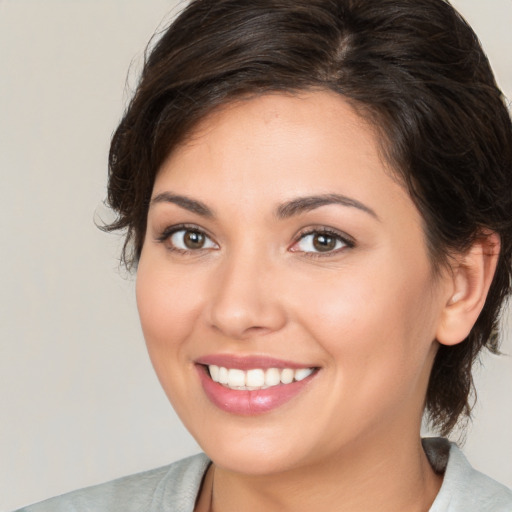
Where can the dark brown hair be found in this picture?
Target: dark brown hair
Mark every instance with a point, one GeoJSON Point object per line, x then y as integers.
{"type": "Point", "coordinates": [413, 68]}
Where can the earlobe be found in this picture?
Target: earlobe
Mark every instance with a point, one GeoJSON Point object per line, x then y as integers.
{"type": "Point", "coordinates": [471, 277]}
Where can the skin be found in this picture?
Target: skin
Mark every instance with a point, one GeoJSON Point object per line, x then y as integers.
{"type": "Point", "coordinates": [366, 314]}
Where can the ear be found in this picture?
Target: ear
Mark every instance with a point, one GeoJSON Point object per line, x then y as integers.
{"type": "Point", "coordinates": [470, 279]}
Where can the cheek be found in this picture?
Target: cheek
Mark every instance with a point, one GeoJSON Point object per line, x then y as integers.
{"type": "Point", "coordinates": [168, 305]}
{"type": "Point", "coordinates": [373, 322]}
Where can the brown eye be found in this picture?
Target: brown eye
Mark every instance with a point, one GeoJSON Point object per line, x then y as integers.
{"type": "Point", "coordinates": [323, 242]}
{"type": "Point", "coordinates": [191, 240]}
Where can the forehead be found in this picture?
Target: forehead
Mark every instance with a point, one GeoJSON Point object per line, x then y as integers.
{"type": "Point", "coordinates": [296, 142]}
{"type": "Point", "coordinates": [289, 110]}
{"type": "Point", "coordinates": [283, 125]}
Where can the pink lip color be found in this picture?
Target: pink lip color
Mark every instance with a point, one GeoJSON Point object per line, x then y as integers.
{"type": "Point", "coordinates": [245, 402]}
{"type": "Point", "coordinates": [248, 362]}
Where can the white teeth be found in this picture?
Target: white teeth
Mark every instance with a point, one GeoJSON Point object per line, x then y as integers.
{"type": "Point", "coordinates": [236, 378]}
{"type": "Point", "coordinates": [256, 378]}
{"type": "Point", "coordinates": [303, 373]}
{"type": "Point", "coordinates": [214, 372]}
{"type": "Point", "coordinates": [272, 377]}
{"type": "Point", "coordinates": [223, 375]}
{"type": "Point", "coordinates": [287, 376]}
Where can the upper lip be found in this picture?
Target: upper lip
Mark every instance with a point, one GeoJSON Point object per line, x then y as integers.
{"type": "Point", "coordinates": [249, 362]}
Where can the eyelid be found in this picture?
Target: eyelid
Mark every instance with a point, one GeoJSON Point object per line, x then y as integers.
{"type": "Point", "coordinates": [346, 239]}
{"type": "Point", "coordinates": [169, 231]}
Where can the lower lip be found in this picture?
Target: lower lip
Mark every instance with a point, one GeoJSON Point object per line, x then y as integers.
{"type": "Point", "coordinates": [249, 403]}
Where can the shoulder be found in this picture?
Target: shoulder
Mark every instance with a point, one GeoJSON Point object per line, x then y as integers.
{"type": "Point", "coordinates": [464, 489]}
{"type": "Point", "coordinates": [165, 489]}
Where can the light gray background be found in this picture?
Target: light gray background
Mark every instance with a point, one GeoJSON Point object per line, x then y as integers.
{"type": "Point", "coordinates": [79, 403]}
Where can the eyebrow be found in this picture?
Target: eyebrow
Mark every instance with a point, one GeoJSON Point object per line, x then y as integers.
{"type": "Point", "coordinates": [305, 204]}
{"type": "Point", "coordinates": [185, 202]}
{"type": "Point", "coordinates": [289, 209]}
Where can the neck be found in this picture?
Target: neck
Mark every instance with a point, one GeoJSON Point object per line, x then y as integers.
{"type": "Point", "coordinates": [389, 477]}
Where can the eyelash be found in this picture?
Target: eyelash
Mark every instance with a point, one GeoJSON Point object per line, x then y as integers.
{"type": "Point", "coordinates": [347, 241]}
{"type": "Point", "coordinates": [167, 234]}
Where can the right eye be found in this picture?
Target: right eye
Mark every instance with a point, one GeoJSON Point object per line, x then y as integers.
{"type": "Point", "coordinates": [188, 239]}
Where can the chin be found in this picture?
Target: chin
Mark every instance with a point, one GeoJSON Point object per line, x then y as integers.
{"type": "Point", "coordinates": [255, 462]}
{"type": "Point", "coordinates": [245, 448]}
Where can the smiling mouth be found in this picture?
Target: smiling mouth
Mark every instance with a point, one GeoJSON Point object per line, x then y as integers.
{"type": "Point", "coordinates": [256, 378]}
{"type": "Point", "coordinates": [252, 385]}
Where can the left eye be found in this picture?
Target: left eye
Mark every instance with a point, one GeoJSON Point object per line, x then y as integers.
{"type": "Point", "coordinates": [191, 239]}
{"type": "Point", "coordinates": [319, 242]}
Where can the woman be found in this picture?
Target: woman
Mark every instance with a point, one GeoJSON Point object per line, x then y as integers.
{"type": "Point", "coordinates": [317, 199]}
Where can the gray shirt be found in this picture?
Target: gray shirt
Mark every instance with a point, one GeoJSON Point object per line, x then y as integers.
{"type": "Point", "coordinates": [174, 488]}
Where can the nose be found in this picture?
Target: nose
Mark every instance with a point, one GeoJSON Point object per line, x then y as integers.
{"type": "Point", "coordinates": [246, 301]}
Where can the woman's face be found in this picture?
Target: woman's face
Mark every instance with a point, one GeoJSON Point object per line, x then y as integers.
{"type": "Point", "coordinates": [279, 248]}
